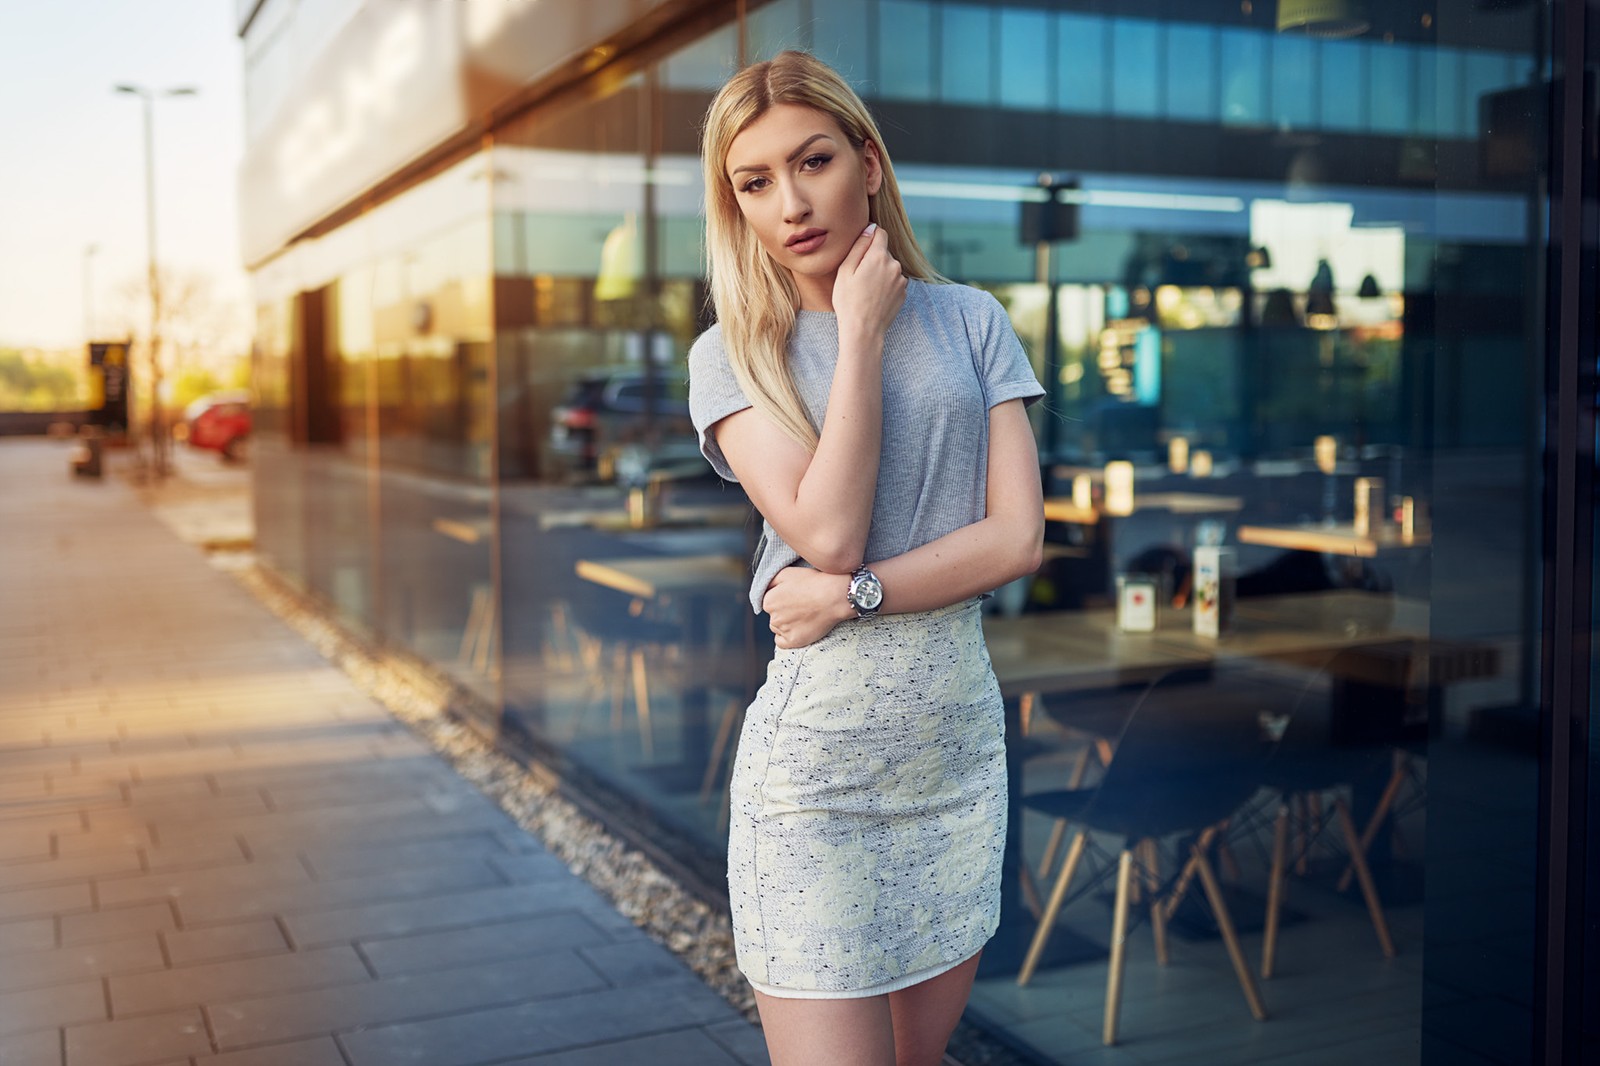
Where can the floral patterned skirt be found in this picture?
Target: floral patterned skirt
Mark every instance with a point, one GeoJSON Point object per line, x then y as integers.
{"type": "Point", "coordinates": [868, 811]}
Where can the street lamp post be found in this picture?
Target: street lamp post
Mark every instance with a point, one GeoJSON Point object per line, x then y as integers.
{"type": "Point", "coordinates": [89, 251]}
{"type": "Point", "coordinates": [158, 426]}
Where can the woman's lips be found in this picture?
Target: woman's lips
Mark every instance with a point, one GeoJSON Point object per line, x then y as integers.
{"type": "Point", "coordinates": [809, 244]}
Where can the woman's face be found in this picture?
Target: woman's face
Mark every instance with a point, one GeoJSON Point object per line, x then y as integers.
{"type": "Point", "coordinates": [803, 189]}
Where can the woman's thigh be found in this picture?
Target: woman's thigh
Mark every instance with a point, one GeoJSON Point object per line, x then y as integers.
{"type": "Point", "coordinates": [926, 1014]}
{"type": "Point", "coordinates": [840, 1032]}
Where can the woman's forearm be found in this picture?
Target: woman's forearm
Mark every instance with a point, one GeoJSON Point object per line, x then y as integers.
{"type": "Point", "coordinates": [834, 497]}
{"type": "Point", "coordinates": [805, 603]}
{"type": "Point", "coordinates": [958, 566]}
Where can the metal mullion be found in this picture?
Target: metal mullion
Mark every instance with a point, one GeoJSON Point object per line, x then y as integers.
{"type": "Point", "coordinates": [1568, 575]}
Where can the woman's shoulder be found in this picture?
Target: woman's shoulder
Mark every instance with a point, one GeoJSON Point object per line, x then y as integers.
{"type": "Point", "coordinates": [950, 297]}
{"type": "Point", "coordinates": [708, 352]}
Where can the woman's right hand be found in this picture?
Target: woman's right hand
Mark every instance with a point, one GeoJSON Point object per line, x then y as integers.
{"type": "Point", "coordinates": [869, 288]}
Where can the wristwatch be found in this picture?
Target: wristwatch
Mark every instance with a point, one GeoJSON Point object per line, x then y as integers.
{"type": "Point", "coordinates": [865, 594]}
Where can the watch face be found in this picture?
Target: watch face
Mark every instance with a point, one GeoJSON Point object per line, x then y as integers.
{"type": "Point", "coordinates": [868, 592]}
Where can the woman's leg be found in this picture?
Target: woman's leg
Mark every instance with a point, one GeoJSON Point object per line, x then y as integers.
{"type": "Point", "coordinates": [926, 1014]}
{"type": "Point", "coordinates": [839, 1032]}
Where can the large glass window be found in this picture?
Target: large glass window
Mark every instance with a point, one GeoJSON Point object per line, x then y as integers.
{"type": "Point", "coordinates": [1136, 63]}
{"type": "Point", "coordinates": [1273, 697]}
{"type": "Point", "coordinates": [1342, 104]}
{"type": "Point", "coordinates": [1394, 89]}
{"type": "Point", "coordinates": [905, 49]}
{"type": "Point", "coordinates": [1083, 63]}
{"type": "Point", "coordinates": [849, 51]}
{"type": "Point", "coordinates": [966, 54]}
{"type": "Point", "coordinates": [1191, 79]}
{"type": "Point", "coordinates": [1025, 47]}
{"type": "Point", "coordinates": [1294, 78]}
{"type": "Point", "coordinates": [1244, 77]}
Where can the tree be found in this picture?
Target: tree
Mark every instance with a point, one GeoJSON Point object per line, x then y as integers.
{"type": "Point", "coordinates": [40, 380]}
{"type": "Point", "coordinates": [205, 335]}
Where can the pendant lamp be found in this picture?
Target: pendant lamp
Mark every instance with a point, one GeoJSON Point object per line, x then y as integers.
{"type": "Point", "coordinates": [1323, 18]}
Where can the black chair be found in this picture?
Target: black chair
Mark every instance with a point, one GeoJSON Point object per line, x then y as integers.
{"type": "Point", "coordinates": [1309, 771]}
{"type": "Point", "coordinates": [626, 631]}
{"type": "Point", "coordinates": [1190, 754]}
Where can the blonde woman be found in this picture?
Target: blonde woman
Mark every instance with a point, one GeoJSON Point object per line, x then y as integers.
{"type": "Point", "coordinates": [874, 415]}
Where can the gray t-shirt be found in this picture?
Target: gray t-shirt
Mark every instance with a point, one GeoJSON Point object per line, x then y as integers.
{"type": "Point", "coordinates": [948, 357]}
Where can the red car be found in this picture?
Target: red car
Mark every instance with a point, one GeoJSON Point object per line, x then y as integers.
{"type": "Point", "coordinates": [220, 422]}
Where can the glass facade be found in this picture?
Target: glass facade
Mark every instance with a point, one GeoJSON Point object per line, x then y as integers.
{"type": "Point", "coordinates": [1302, 309]}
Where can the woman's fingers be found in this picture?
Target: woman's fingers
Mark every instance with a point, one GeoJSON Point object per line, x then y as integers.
{"type": "Point", "coordinates": [858, 250]}
{"type": "Point", "coordinates": [870, 285]}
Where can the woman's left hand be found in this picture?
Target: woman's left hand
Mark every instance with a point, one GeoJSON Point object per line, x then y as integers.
{"type": "Point", "coordinates": [804, 605]}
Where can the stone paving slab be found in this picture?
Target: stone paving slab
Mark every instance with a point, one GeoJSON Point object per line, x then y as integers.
{"type": "Point", "coordinates": [216, 851]}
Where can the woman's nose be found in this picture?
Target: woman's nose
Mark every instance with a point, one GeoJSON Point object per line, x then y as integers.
{"type": "Point", "coordinates": [795, 206]}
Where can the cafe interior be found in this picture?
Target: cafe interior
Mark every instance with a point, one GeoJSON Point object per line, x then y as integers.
{"type": "Point", "coordinates": [1272, 696]}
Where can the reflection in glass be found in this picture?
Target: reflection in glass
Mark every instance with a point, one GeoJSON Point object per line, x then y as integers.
{"type": "Point", "coordinates": [472, 442]}
{"type": "Point", "coordinates": [1191, 77]}
{"type": "Point", "coordinates": [965, 63]}
{"type": "Point", "coordinates": [1024, 59]}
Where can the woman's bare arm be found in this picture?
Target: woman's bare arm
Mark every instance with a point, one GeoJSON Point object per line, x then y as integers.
{"type": "Point", "coordinates": [1006, 544]}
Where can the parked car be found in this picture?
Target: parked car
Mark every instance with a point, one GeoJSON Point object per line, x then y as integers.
{"type": "Point", "coordinates": [220, 422]}
{"type": "Point", "coordinates": [605, 414]}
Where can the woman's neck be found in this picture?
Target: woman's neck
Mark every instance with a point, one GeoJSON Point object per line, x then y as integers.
{"type": "Point", "coordinates": [816, 293]}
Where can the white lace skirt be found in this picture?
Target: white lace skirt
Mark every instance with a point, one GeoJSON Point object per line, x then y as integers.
{"type": "Point", "coordinates": [868, 809]}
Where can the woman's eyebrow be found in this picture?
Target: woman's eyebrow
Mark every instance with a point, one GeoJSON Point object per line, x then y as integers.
{"type": "Point", "coordinates": [790, 159]}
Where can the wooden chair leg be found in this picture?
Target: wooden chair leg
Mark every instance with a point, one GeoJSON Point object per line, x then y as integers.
{"type": "Point", "coordinates": [1180, 888]}
{"type": "Point", "coordinates": [641, 702]}
{"type": "Point", "coordinates": [1219, 907]}
{"type": "Point", "coordinates": [1030, 893]}
{"type": "Point", "coordinates": [1225, 856]}
{"type": "Point", "coordinates": [718, 748]}
{"type": "Point", "coordinates": [1391, 791]}
{"type": "Point", "coordinates": [1058, 833]}
{"type": "Point", "coordinates": [1275, 887]}
{"type": "Point", "coordinates": [1025, 711]}
{"type": "Point", "coordinates": [1152, 882]}
{"type": "Point", "coordinates": [1058, 894]}
{"type": "Point", "coordinates": [561, 638]}
{"type": "Point", "coordinates": [1119, 935]}
{"type": "Point", "coordinates": [1364, 875]}
{"type": "Point", "coordinates": [618, 671]}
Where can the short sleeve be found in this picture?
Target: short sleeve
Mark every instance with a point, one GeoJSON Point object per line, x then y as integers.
{"type": "Point", "coordinates": [714, 394]}
{"type": "Point", "coordinates": [1003, 367]}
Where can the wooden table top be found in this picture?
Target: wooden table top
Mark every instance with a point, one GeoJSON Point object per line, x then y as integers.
{"type": "Point", "coordinates": [1062, 651]}
{"type": "Point", "coordinates": [1062, 509]}
{"type": "Point", "coordinates": [613, 519]}
{"type": "Point", "coordinates": [655, 576]}
{"type": "Point", "coordinates": [1075, 650]}
{"type": "Point", "coordinates": [1336, 539]}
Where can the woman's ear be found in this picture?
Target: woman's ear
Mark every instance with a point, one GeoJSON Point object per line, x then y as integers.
{"type": "Point", "coordinates": [874, 167]}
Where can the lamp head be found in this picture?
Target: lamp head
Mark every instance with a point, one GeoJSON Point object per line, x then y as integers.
{"type": "Point", "coordinates": [183, 90]}
{"type": "Point", "coordinates": [1323, 18]}
{"type": "Point", "coordinates": [133, 89]}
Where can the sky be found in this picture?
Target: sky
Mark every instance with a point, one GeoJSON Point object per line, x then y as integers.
{"type": "Point", "coordinates": [72, 158]}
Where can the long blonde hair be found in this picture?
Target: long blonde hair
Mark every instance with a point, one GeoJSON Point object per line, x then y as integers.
{"type": "Point", "coordinates": [756, 298]}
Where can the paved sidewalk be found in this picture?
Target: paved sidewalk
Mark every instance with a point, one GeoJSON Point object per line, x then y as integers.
{"type": "Point", "coordinates": [214, 849]}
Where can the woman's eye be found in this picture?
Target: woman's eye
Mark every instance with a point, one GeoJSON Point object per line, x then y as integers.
{"type": "Point", "coordinates": [754, 185]}
{"type": "Point", "coordinates": [815, 162]}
